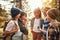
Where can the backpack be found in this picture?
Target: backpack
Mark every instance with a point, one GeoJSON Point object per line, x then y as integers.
{"type": "Point", "coordinates": [54, 34]}
{"type": "Point", "coordinates": [5, 36]}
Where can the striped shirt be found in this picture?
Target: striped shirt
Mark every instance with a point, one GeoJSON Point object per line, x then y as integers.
{"type": "Point", "coordinates": [46, 24]}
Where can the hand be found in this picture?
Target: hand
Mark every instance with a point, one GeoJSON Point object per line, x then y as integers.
{"type": "Point", "coordinates": [44, 31]}
{"type": "Point", "coordinates": [55, 24]}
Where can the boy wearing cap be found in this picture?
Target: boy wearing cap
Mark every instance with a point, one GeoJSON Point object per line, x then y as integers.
{"type": "Point", "coordinates": [12, 26]}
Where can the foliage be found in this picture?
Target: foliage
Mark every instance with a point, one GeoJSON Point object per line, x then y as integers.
{"type": "Point", "coordinates": [3, 15]}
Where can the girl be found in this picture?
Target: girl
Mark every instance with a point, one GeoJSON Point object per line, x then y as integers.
{"type": "Point", "coordinates": [12, 26]}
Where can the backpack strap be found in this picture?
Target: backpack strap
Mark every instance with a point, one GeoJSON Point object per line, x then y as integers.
{"type": "Point", "coordinates": [41, 23]}
{"type": "Point", "coordinates": [32, 22]}
{"type": "Point", "coordinates": [6, 22]}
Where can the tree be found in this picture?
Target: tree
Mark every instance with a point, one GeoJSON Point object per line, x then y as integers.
{"type": "Point", "coordinates": [3, 15]}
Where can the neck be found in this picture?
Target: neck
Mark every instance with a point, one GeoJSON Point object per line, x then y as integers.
{"type": "Point", "coordinates": [37, 17]}
{"type": "Point", "coordinates": [16, 18]}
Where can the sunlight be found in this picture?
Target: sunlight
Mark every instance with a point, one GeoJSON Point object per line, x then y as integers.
{"type": "Point", "coordinates": [34, 4]}
{"type": "Point", "coordinates": [37, 3]}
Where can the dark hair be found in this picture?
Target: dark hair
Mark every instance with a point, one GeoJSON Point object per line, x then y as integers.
{"type": "Point", "coordinates": [23, 14]}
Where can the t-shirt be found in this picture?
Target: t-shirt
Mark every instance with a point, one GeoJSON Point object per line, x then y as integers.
{"type": "Point", "coordinates": [11, 26]}
{"type": "Point", "coordinates": [46, 24]}
{"type": "Point", "coordinates": [36, 25]}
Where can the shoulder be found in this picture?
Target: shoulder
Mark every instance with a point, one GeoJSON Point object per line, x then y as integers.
{"type": "Point", "coordinates": [10, 25]}
{"type": "Point", "coordinates": [41, 19]}
{"type": "Point", "coordinates": [11, 22]}
{"type": "Point", "coordinates": [32, 21]}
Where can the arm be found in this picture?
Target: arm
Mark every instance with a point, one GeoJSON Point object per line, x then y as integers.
{"type": "Point", "coordinates": [56, 24]}
{"type": "Point", "coordinates": [31, 28]}
{"type": "Point", "coordinates": [31, 25]}
{"type": "Point", "coordinates": [15, 30]}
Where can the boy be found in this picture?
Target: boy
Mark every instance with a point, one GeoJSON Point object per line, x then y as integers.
{"type": "Point", "coordinates": [23, 25]}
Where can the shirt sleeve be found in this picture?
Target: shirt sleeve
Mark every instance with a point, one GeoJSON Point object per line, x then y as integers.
{"type": "Point", "coordinates": [9, 26]}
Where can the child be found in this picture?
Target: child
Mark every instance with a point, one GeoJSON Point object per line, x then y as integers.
{"type": "Point", "coordinates": [23, 25]}
{"type": "Point", "coordinates": [53, 30]}
{"type": "Point", "coordinates": [36, 25]}
{"type": "Point", "coordinates": [12, 26]}
{"type": "Point", "coordinates": [46, 21]}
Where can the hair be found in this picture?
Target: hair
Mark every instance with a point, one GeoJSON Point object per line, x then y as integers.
{"type": "Point", "coordinates": [53, 13]}
{"type": "Point", "coordinates": [46, 9]}
{"type": "Point", "coordinates": [23, 14]}
{"type": "Point", "coordinates": [38, 9]}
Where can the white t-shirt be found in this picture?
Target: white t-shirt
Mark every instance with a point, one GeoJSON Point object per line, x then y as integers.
{"type": "Point", "coordinates": [18, 33]}
{"type": "Point", "coordinates": [11, 26]}
{"type": "Point", "coordinates": [36, 26]}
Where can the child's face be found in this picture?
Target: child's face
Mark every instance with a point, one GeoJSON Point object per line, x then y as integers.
{"type": "Point", "coordinates": [45, 14]}
{"type": "Point", "coordinates": [24, 18]}
{"type": "Point", "coordinates": [37, 13]}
